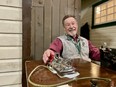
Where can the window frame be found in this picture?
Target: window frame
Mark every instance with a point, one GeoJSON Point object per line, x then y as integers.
{"type": "Point", "coordinates": [112, 23]}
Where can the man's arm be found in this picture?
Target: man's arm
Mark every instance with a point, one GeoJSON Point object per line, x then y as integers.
{"type": "Point", "coordinates": [55, 47]}
{"type": "Point", "coordinates": [94, 52]}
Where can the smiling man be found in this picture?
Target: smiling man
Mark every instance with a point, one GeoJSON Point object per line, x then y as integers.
{"type": "Point", "coordinates": [71, 45]}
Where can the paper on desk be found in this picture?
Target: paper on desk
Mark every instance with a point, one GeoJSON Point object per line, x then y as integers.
{"type": "Point", "coordinates": [52, 70]}
{"type": "Point", "coordinates": [72, 75]}
{"type": "Point", "coordinates": [68, 75]}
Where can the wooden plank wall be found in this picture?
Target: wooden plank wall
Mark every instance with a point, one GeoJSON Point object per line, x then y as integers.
{"type": "Point", "coordinates": [47, 22]}
{"type": "Point", "coordinates": [10, 43]}
{"type": "Point", "coordinates": [99, 35]}
{"type": "Point", "coordinates": [106, 34]}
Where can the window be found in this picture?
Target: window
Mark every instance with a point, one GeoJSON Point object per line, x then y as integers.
{"type": "Point", "coordinates": [104, 13]}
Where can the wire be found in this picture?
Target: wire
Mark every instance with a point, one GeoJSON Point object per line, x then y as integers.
{"type": "Point", "coordinates": [58, 84]}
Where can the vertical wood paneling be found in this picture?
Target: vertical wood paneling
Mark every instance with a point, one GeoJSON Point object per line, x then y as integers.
{"type": "Point", "coordinates": [26, 25]}
{"type": "Point", "coordinates": [71, 6]}
{"type": "Point", "coordinates": [47, 24]}
{"type": "Point", "coordinates": [39, 33]}
{"type": "Point", "coordinates": [37, 3]}
{"type": "Point", "coordinates": [55, 18]}
{"type": "Point", "coordinates": [77, 13]}
{"type": "Point", "coordinates": [33, 32]}
{"type": "Point", "coordinates": [63, 11]}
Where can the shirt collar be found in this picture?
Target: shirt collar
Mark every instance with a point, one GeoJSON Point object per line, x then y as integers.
{"type": "Point", "coordinates": [70, 37]}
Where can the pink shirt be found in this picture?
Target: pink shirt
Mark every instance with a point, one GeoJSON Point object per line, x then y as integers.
{"type": "Point", "coordinates": [94, 52]}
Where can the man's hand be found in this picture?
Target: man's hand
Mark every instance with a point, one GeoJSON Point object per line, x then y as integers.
{"type": "Point", "coordinates": [48, 55]}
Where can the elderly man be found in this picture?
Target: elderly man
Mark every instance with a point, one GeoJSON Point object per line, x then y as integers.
{"type": "Point", "coordinates": [71, 45]}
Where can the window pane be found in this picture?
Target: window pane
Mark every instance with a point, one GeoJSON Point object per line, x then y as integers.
{"type": "Point", "coordinates": [109, 17]}
{"type": "Point", "coordinates": [115, 9]}
{"type": "Point", "coordinates": [103, 19]}
{"type": "Point", "coordinates": [97, 21]}
{"type": "Point", "coordinates": [110, 10]}
{"type": "Point", "coordinates": [110, 3]}
{"type": "Point", "coordinates": [103, 12]}
{"type": "Point", "coordinates": [97, 15]}
{"type": "Point", "coordinates": [103, 6]}
{"type": "Point", "coordinates": [115, 16]}
{"type": "Point", "coordinates": [115, 2]}
{"type": "Point", "coordinates": [97, 12]}
{"type": "Point", "coordinates": [97, 9]}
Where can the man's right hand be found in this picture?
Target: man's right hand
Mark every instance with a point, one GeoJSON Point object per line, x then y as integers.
{"type": "Point", "coordinates": [48, 55]}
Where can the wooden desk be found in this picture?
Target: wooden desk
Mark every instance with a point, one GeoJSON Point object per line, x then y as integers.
{"type": "Point", "coordinates": [86, 69]}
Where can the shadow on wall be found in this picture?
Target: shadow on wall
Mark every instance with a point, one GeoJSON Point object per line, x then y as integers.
{"type": "Point", "coordinates": [85, 31]}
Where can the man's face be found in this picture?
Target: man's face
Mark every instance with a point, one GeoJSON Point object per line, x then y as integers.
{"type": "Point", "coordinates": [70, 25]}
